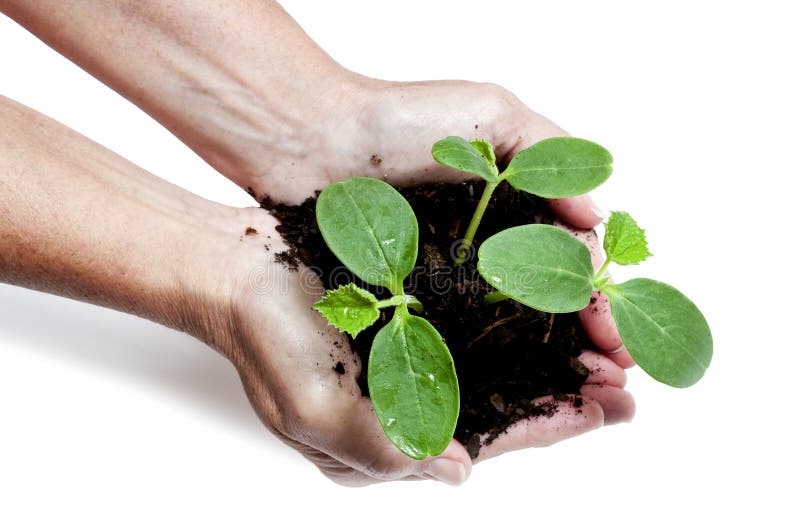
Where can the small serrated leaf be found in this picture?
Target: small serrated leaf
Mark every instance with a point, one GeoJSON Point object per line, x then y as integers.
{"type": "Point", "coordinates": [349, 308]}
{"type": "Point", "coordinates": [625, 242]}
{"type": "Point", "coordinates": [486, 150]}
{"type": "Point", "coordinates": [476, 157]}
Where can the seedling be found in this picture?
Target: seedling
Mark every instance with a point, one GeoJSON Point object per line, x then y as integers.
{"type": "Point", "coordinates": [546, 268]}
{"type": "Point", "coordinates": [372, 230]}
{"type": "Point", "coordinates": [558, 167]}
{"type": "Point", "coordinates": [412, 381]}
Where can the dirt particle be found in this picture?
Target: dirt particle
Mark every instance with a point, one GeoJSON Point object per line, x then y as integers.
{"type": "Point", "coordinates": [474, 445]}
{"type": "Point", "coordinates": [289, 259]}
{"type": "Point", "coordinates": [250, 231]}
{"type": "Point", "coordinates": [375, 160]}
{"type": "Point", "coordinates": [497, 402]}
{"type": "Point", "coordinates": [339, 368]}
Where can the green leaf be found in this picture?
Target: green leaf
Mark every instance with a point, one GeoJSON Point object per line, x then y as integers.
{"type": "Point", "coordinates": [559, 167]}
{"type": "Point", "coordinates": [476, 157]}
{"type": "Point", "coordinates": [349, 308]}
{"type": "Point", "coordinates": [413, 386]}
{"type": "Point", "coordinates": [371, 228]}
{"type": "Point", "coordinates": [625, 242]}
{"type": "Point", "coordinates": [541, 266]}
{"type": "Point", "coordinates": [665, 333]}
{"type": "Point", "coordinates": [486, 150]}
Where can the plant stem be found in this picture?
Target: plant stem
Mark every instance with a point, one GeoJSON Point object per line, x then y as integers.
{"type": "Point", "coordinates": [494, 297]}
{"type": "Point", "coordinates": [466, 243]}
{"type": "Point", "coordinates": [598, 277]}
{"type": "Point", "coordinates": [394, 301]}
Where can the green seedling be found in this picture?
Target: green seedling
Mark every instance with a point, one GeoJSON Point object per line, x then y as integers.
{"type": "Point", "coordinates": [546, 268]}
{"type": "Point", "coordinates": [412, 381]}
{"type": "Point", "coordinates": [553, 168]}
{"type": "Point", "coordinates": [372, 230]}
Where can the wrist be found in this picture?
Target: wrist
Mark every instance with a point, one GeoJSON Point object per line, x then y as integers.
{"type": "Point", "coordinates": [262, 133]}
{"type": "Point", "coordinates": [233, 270]}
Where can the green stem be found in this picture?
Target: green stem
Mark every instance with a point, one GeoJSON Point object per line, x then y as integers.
{"type": "Point", "coordinates": [466, 243]}
{"type": "Point", "coordinates": [394, 301]}
{"type": "Point", "coordinates": [599, 280]}
{"type": "Point", "coordinates": [494, 297]}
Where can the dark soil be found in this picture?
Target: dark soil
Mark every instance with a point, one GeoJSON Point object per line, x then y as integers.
{"type": "Point", "coordinates": [505, 354]}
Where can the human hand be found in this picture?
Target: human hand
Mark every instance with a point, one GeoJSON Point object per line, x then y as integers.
{"type": "Point", "coordinates": [287, 357]}
{"type": "Point", "coordinates": [386, 130]}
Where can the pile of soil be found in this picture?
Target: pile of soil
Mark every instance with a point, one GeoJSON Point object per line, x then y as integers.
{"type": "Point", "coordinates": [505, 354]}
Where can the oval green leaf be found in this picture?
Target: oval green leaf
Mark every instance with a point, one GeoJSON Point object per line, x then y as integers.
{"type": "Point", "coordinates": [475, 157]}
{"type": "Point", "coordinates": [665, 333]}
{"type": "Point", "coordinates": [413, 386]}
{"type": "Point", "coordinates": [538, 265]}
{"type": "Point", "coordinates": [371, 228]}
{"type": "Point", "coordinates": [559, 167]}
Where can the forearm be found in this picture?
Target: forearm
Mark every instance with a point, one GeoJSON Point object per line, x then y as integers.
{"type": "Point", "coordinates": [229, 78]}
{"type": "Point", "coordinates": [79, 221]}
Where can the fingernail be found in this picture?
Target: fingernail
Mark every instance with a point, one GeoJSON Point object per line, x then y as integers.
{"type": "Point", "coordinates": [448, 471]}
{"type": "Point", "coordinates": [597, 211]}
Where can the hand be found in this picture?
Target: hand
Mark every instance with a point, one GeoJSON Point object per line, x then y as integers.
{"type": "Point", "coordinates": [286, 355]}
{"type": "Point", "coordinates": [386, 130]}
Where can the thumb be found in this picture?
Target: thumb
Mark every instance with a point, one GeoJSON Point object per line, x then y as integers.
{"type": "Point", "coordinates": [359, 442]}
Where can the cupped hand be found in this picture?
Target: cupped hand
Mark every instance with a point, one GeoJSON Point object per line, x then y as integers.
{"type": "Point", "coordinates": [301, 377]}
{"type": "Point", "coordinates": [386, 130]}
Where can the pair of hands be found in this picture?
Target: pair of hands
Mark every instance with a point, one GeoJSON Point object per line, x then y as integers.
{"type": "Point", "coordinates": [283, 349]}
{"type": "Point", "coordinates": [242, 85]}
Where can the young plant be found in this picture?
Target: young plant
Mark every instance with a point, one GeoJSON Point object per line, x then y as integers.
{"type": "Point", "coordinates": [553, 168]}
{"type": "Point", "coordinates": [412, 381]}
{"type": "Point", "coordinates": [546, 268]}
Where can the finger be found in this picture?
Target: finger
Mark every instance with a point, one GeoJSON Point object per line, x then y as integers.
{"type": "Point", "coordinates": [602, 370]}
{"type": "Point", "coordinates": [357, 440]}
{"type": "Point", "coordinates": [596, 318]}
{"type": "Point", "coordinates": [570, 418]}
{"type": "Point", "coordinates": [579, 211]}
{"type": "Point", "coordinates": [618, 404]}
{"type": "Point", "coordinates": [598, 322]}
{"type": "Point", "coordinates": [621, 357]}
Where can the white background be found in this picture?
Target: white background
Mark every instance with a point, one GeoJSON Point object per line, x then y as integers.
{"type": "Point", "coordinates": [108, 422]}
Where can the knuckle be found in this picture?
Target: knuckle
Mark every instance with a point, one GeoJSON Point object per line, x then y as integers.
{"type": "Point", "coordinates": [312, 414]}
